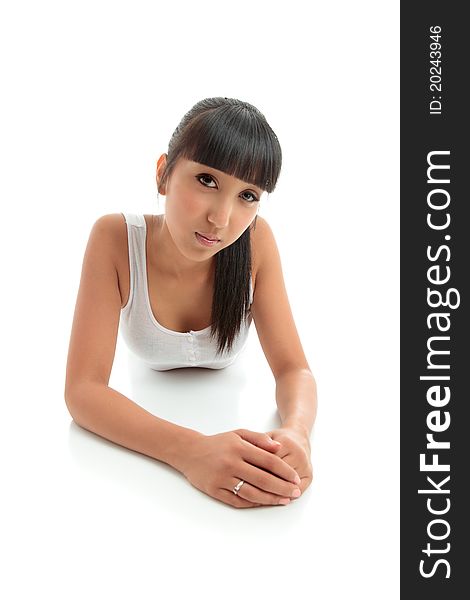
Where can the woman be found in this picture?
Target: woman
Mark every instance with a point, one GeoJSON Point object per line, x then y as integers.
{"type": "Point", "coordinates": [184, 287]}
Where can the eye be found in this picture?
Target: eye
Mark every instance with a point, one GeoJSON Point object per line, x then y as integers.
{"type": "Point", "coordinates": [205, 179]}
{"type": "Point", "coordinates": [253, 197]}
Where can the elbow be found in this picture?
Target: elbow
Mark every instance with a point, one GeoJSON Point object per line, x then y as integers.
{"type": "Point", "coordinates": [80, 398]}
{"type": "Point", "coordinates": [70, 404]}
{"type": "Point", "coordinates": [73, 396]}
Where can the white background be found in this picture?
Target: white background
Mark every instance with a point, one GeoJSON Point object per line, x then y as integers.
{"type": "Point", "coordinates": [91, 94]}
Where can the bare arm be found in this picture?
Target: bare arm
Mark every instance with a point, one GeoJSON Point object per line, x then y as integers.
{"type": "Point", "coordinates": [91, 402]}
{"type": "Point", "coordinates": [296, 395]}
{"type": "Point", "coordinates": [108, 413]}
{"type": "Point", "coordinates": [296, 398]}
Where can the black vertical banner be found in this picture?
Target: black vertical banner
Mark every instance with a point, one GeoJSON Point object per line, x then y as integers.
{"type": "Point", "coordinates": [435, 333]}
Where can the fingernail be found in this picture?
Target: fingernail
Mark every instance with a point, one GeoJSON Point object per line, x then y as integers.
{"type": "Point", "coordinates": [277, 443]}
{"type": "Point", "coordinates": [297, 480]}
{"type": "Point", "coordinates": [284, 501]}
{"type": "Point", "coordinates": [296, 493]}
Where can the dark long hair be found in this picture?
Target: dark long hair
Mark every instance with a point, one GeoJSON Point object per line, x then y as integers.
{"type": "Point", "coordinates": [234, 137]}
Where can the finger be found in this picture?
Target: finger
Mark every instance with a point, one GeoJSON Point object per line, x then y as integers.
{"type": "Point", "coordinates": [305, 481]}
{"type": "Point", "coordinates": [266, 482]}
{"type": "Point", "coordinates": [234, 499]}
{"type": "Point", "coordinates": [271, 463]}
{"type": "Point", "coordinates": [303, 468]}
{"type": "Point", "coordinates": [262, 440]}
{"type": "Point", "coordinates": [255, 495]}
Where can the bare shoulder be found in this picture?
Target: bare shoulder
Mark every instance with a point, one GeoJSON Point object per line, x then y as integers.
{"type": "Point", "coordinates": [113, 231]}
{"type": "Point", "coordinates": [263, 244]}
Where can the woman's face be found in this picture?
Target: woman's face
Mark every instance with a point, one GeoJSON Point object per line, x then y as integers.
{"type": "Point", "coordinates": [201, 200]}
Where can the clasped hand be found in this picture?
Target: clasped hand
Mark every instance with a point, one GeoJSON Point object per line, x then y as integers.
{"type": "Point", "coordinates": [295, 450]}
{"type": "Point", "coordinates": [273, 473]}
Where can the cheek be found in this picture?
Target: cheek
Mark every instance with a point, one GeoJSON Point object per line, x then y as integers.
{"type": "Point", "coordinates": [184, 205]}
{"type": "Point", "coordinates": [248, 217]}
{"type": "Point", "coordinates": [241, 222]}
{"type": "Point", "coordinates": [191, 206]}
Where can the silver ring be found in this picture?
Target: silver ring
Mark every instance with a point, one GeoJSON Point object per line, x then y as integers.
{"type": "Point", "coordinates": [236, 489]}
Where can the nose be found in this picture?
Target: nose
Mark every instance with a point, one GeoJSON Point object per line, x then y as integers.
{"type": "Point", "coordinates": [219, 212]}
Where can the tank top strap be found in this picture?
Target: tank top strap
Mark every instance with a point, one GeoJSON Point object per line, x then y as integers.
{"type": "Point", "coordinates": [136, 220]}
{"type": "Point", "coordinates": [136, 235]}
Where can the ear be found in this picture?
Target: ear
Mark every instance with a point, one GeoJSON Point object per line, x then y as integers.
{"type": "Point", "coordinates": [161, 163]}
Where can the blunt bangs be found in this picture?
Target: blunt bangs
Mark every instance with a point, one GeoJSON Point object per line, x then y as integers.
{"type": "Point", "coordinates": [236, 140]}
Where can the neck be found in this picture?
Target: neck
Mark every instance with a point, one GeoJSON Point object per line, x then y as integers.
{"type": "Point", "coordinates": [170, 260]}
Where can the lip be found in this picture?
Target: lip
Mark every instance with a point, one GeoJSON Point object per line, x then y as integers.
{"type": "Point", "coordinates": [205, 241]}
{"type": "Point", "coordinates": [208, 236]}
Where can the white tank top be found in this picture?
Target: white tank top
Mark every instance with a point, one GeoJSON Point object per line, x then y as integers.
{"type": "Point", "coordinates": [161, 348]}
